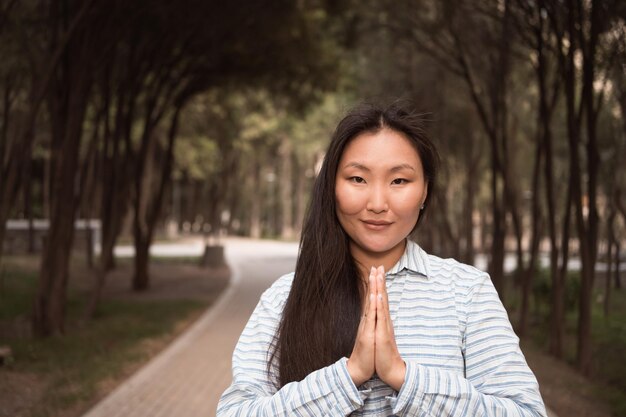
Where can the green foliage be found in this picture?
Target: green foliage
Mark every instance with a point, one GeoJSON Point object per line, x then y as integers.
{"type": "Point", "coordinates": [310, 134]}
{"type": "Point", "coordinates": [198, 156]}
{"type": "Point", "coordinates": [542, 288]}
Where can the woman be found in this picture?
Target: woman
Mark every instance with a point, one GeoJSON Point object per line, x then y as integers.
{"type": "Point", "coordinates": [370, 324]}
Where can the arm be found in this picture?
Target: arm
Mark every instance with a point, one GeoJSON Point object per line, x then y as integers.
{"type": "Point", "coordinates": [497, 379]}
{"type": "Point", "coordinates": [325, 392]}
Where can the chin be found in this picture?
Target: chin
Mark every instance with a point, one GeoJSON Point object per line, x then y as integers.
{"type": "Point", "coordinates": [377, 247]}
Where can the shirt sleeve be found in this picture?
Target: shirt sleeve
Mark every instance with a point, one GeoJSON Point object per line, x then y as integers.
{"type": "Point", "coordinates": [497, 382]}
{"type": "Point", "coordinates": [326, 392]}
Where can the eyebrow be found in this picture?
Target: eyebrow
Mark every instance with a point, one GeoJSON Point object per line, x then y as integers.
{"type": "Point", "coordinates": [364, 168]}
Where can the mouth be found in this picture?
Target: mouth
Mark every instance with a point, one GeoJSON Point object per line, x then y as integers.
{"type": "Point", "coordinates": [376, 224]}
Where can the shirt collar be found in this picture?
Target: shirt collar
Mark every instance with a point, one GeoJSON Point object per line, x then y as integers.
{"type": "Point", "coordinates": [414, 259]}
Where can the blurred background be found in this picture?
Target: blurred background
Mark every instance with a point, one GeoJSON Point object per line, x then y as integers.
{"type": "Point", "coordinates": [125, 124]}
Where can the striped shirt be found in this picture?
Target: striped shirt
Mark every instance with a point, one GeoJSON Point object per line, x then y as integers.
{"type": "Point", "coordinates": [462, 356]}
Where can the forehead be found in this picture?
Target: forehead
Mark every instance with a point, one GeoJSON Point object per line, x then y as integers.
{"type": "Point", "coordinates": [380, 149]}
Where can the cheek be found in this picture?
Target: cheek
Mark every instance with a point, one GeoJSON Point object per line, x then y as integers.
{"type": "Point", "coordinates": [348, 200]}
{"type": "Point", "coordinates": [408, 204]}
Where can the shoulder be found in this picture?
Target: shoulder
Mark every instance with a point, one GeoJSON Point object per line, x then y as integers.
{"type": "Point", "coordinates": [276, 295]}
{"type": "Point", "coordinates": [461, 274]}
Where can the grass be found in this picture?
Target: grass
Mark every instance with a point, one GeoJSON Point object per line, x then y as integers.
{"type": "Point", "coordinates": [73, 366]}
{"type": "Point", "coordinates": [169, 260]}
{"type": "Point", "coordinates": [608, 335]}
{"type": "Point", "coordinates": [609, 345]}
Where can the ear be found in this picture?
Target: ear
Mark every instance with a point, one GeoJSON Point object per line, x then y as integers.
{"type": "Point", "coordinates": [425, 195]}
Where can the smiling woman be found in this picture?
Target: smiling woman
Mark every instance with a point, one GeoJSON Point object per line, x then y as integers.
{"type": "Point", "coordinates": [370, 324]}
{"type": "Point", "coordinates": [379, 189]}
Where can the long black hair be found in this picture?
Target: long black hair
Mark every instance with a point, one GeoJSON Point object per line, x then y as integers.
{"type": "Point", "coordinates": [322, 313]}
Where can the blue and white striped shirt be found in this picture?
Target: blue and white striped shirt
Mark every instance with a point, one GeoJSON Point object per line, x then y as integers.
{"type": "Point", "coordinates": [462, 356]}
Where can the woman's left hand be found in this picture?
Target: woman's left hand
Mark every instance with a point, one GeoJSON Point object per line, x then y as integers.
{"type": "Point", "coordinates": [389, 365]}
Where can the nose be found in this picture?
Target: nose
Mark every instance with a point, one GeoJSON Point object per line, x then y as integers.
{"type": "Point", "coordinates": [377, 200]}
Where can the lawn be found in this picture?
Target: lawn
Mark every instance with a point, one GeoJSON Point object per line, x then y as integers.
{"type": "Point", "coordinates": [68, 373]}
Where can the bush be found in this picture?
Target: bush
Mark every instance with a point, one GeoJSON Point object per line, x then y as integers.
{"type": "Point", "coordinates": [542, 290]}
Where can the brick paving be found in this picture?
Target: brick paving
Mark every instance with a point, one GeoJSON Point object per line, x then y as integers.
{"type": "Point", "coordinates": [188, 377]}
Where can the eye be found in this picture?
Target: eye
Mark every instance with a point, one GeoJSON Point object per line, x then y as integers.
{"type": "Point", "coordinates": [357, 180]}
{"type": "Point", "coordinates": [399, 181]}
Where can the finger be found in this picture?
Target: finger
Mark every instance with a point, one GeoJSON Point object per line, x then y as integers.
{"type": "Point", "coordinates": [374, 282]}
{"type": "Point", "coordinates": [382, 285]}
{"type": "Point", "coordinates": [383, 300]}
{"type": "Point", "coordinates": [366, 304]}
{"type": "Point", "coordinates": [380, 275]}
{"type": "Point", "coordinates": [380, 306]}
{"type": "Point", "coordinates": [371, 301]}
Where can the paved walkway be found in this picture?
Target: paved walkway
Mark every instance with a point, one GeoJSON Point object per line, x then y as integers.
{"type": "Point", "coordinates": [188, 377]}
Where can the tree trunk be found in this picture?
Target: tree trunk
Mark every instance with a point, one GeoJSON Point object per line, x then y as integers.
{"type": "Point", "coordinates": [588, 227]}
{"type": "Point", "coordinates": [141, 275]}
{"type": "Point", "coordinates": [285, 181]}
{"type": "Point", "coordinates": [300, 195]}
{"type": "Point", "coordinates": [618, 282]}
{"type": "Point", "coordinates": [27, 193]}
{"type": "Point", "coordinates": [255, 209]}
{"type": "Point", "coordinates": [49, 309]}
{"type": "Point", "coordinates": [146, 219]}
{"type": "Point", "coordinates": [609, 262]}
{"type": "Point", "coordinates": [557, 318]}
{"type": "Point", "coordinates": [496, 263]}
{"type": "Point", "coordinates": [42, 79]}
{"type": "Point", "coordinates": [141, 231]}
{"type": "Point", "coordinates": [468, 210]}
{"type": "Point", "coordinates": [115, 171]}
{"type": "Point", "coordinates": [531, 268]}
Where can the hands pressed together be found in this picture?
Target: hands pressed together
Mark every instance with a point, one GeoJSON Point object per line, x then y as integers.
{"type": "Point", "coordinates": [375, 349]}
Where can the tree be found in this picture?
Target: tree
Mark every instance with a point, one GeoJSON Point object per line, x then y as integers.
{"type": "Point", "coordinates": [481, 58]}
{"type": "Point", "coordinates": [67, 103]}
{"type": "Point", "coordinates": [26, 79]}
{"type": "Point", "coordinates": [578, 27]}
{"type": "Point", "coordinates": [130, 83]}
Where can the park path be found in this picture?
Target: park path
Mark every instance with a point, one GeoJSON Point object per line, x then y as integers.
{"type": "Point", "coordinates": [188, 377]}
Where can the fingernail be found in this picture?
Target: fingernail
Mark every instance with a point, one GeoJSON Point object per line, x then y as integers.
{"type": "Point", "coordinates": [371, 297]}
{"type": "Point", "coordinates": [372, 271]}
{"type": "Point", "coordinates": [380, 297]}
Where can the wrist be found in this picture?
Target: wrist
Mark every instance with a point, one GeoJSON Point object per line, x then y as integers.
{"type": "Point", "coordinates": [355, 374]}
{"type": "Point", "coordinates": [397, 377]}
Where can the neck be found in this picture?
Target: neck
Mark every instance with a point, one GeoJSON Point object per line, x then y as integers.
{"type": "Point", "coordinates": [365, 260]}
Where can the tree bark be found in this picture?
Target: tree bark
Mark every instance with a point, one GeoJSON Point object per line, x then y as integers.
{"type": "Point", "coordinates": [588, 227]}
{"type": "Point", "coordinates": [301, 188]}
{"type": "Point", "coordinates": [115, 171]}
{"type": "Point", "coordinates": [468, 210]}
{"type": "Point", "coordinates": [68, 102]}
{"type": "Point", "coordinates": [285, 181]}
{"type": "Point", "coordinates": [609, 261]}
{"type": "Point", "coordinates": [144, 227]}
{"type": "Point", "coordinates": [530, 270]}
{"type": "Point", "coordinates": [255, 209]}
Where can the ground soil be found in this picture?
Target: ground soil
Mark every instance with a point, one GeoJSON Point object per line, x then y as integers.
{"type": "Point", "coordinates": [564, 390]}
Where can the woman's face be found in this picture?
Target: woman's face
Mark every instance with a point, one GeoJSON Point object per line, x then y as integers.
{"type": "Point", "coordinates": [379, 189]}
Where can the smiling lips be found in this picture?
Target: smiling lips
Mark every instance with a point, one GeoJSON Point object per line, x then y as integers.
{"type": "Point", "coordinates": [376, 224]}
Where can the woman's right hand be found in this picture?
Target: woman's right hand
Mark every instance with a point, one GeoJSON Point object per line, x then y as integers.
{"type": "Point", "coordinates": [361, 364]}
